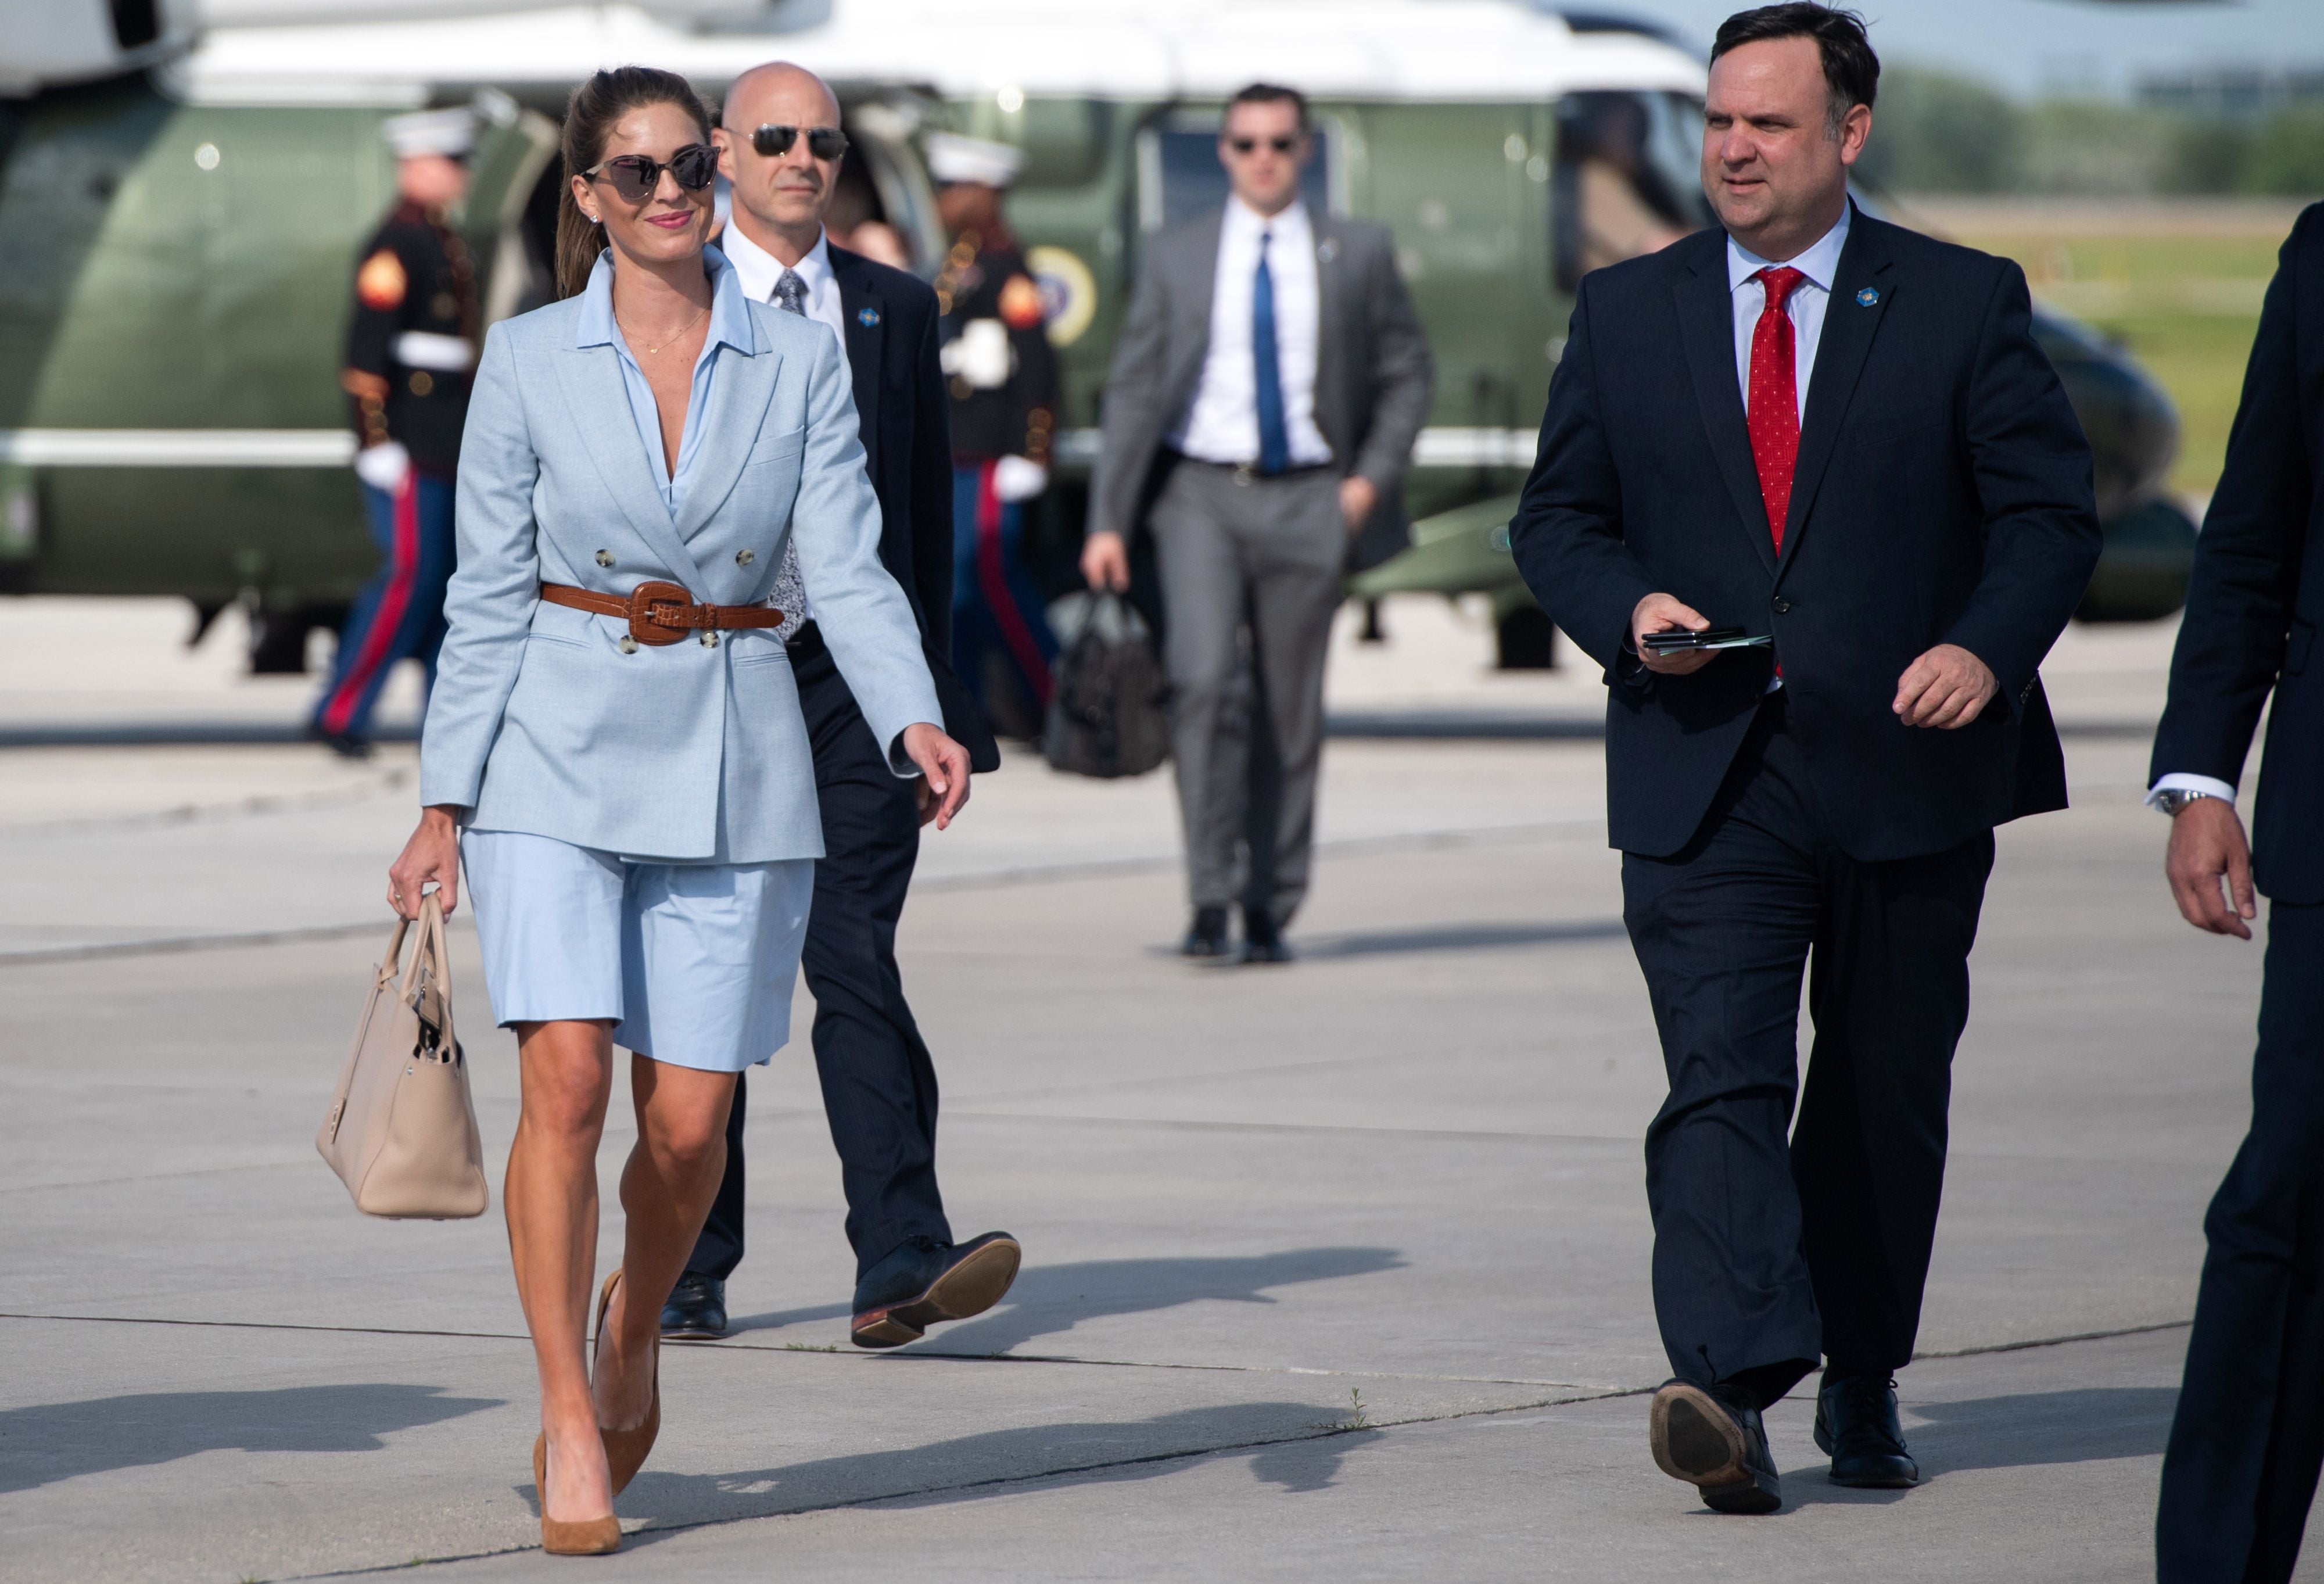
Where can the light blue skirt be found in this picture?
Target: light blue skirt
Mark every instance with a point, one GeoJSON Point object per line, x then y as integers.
{"type": "Point", "coordinates": [695, 962]}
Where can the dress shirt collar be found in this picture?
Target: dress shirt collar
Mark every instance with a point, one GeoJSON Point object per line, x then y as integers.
{"type": "Point", "coordinates": [760, 270]}
{"type": "Point", "coordinates": [1288, 224]}
{"type": "Point", "coordinates": [1818, 261]}
{"type": "Point", "coordinates": [730, 316]}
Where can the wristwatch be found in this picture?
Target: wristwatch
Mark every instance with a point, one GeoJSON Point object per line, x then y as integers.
{"type": "Point", "coordinates": [2172, 799]}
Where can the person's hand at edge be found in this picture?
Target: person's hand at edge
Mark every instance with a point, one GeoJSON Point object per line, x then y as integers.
{"type": "Point", "coordinates": [431, 856]}
{"type": "Point", "coordinates": [943, 772]}
{"type": "Point", "coordinates": [1359, 497]}
{"type": "Point", "coordinates": [1105, 562]}
{"type": "Point", "coordinates": [1659, 613]}
{"type": "Point", "coordinates": [2208, 846]}
{"type": "Point", "coordinates": [1947, 688]}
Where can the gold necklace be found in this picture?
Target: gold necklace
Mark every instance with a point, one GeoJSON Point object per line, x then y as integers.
{"type": "Point", "coordinates": [671, 340]}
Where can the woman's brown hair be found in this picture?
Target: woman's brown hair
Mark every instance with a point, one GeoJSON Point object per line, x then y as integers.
{"type": "Point", "coordinates": [589, 117]}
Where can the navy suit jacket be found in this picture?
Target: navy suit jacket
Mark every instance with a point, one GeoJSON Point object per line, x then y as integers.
{"type": "Point", "coordinates": [905, 410]}
{"type": "Point", "coordinates": [2258, 589]}
{"type": "Point", "coordinates": [1942, 495]}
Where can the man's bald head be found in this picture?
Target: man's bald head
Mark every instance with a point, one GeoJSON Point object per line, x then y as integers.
{"type": "Point", "coordinates": [780, 93]}
{"type": "Point", "coordinates": [779, 199]}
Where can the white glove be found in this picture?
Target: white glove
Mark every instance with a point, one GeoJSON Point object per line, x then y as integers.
{"type": "Point", "coordinates": [1019, 478]}
{"type": "Point", "coordinates": [383, 466]}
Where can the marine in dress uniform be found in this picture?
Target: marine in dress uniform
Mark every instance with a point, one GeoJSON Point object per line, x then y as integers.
{"type": "Point", "coordinates": [411, 348]}
{"type": "Point", "coordinates": [1003, 379]}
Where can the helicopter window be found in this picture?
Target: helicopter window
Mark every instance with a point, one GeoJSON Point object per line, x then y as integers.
{"type": "Point", "coordinates": [1627, 179]}
{"type": "Point", "coordinates": [1180, 178]}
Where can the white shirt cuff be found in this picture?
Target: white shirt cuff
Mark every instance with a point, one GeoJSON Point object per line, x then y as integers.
{"type": "Point", "coordinates": [2180, 781]}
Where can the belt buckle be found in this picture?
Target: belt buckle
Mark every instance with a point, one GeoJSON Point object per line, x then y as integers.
{"type": "Point", "coordinates": [648, 599]}
{"type": "Point", "coordinates": [1242, 473]}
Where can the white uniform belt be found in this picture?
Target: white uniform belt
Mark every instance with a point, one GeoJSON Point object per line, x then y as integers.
{"type": "Point", "coordinates": [425, 349]}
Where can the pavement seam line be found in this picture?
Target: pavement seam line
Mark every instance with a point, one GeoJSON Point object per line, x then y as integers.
{"type": "Point", "coordinates": [993, 879]}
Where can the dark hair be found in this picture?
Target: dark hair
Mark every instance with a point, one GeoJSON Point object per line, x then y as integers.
{"type": "Point", "coordinates": [1272, 93]}
{"type": "Point", "coordinates": [589, 117]}
{"type": "Point", "coordinates": [1852, 71]}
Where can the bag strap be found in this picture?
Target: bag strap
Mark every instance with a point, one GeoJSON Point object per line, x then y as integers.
{"type": "Point", "coordinates": [427, 986]}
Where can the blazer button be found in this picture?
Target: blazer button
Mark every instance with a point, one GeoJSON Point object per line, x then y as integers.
{"type": "Point", "coordinates": [1782, 604]}
{"type": "Point", "coordinates": [744, 557]}
{"type": "Point", "coordinates": [604, 557]}
{"type": "Point", "coordinates": [627, 644]}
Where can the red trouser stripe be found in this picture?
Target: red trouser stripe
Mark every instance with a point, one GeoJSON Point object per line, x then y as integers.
{"type": "Point", "coordinates": [379, 638]}
{"type": "Point", "coordinates": [992, 578]}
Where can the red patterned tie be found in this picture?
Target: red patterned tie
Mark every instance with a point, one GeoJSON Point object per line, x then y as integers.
{"type": "Point", "coordinates": [1772, 409]}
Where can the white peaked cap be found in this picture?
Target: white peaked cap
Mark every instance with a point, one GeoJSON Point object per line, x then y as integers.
{"type": "Point", "coordinates": [451, 133]}
{"type": "Point", "coordinates": [953, 157]}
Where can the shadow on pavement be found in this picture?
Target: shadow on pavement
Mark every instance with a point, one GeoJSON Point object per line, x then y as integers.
{"type": "Point", "coordinates": [1000, 1462]}
{"type": "Point", "coordinates": [1460, 937]}
{"type": "Point", "coordinates": [51, 1442]}
{"type": "Point", "coordinates": [2087, 1425]}
{"type": "Point", "coordinates": [2082, 1426]}
{"type": "Point", "coordinates": [1051, 1299]}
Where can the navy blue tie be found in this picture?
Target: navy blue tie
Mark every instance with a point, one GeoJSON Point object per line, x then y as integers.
{"type": "Point", "coordinates": [1274, 438]}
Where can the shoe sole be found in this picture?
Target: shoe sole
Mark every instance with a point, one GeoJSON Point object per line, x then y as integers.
{"type": "Point", "coordinates": [969, 1288]}
{"type": "Point", "coordinates": [1694, 1441]}
{"type": "Point", "coordinates": [697, 1333]}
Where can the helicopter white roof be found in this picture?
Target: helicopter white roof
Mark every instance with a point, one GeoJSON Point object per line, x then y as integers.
{"type": "Point", "coordinates": [1408, 49]}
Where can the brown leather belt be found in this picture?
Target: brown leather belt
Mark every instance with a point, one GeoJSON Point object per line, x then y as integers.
{"type": "Point", "coordinates": [662, 612]}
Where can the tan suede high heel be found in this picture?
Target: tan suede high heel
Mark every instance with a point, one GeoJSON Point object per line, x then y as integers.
{"type": "Point", "coordinates": [591, 1537]}
{"type": "Point", "coordinates": [626, 1449]}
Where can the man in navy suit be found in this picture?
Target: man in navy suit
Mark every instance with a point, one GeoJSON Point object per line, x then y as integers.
{"type": "Point", "coordinates": [780, 144]}
{"type": "Point", "coordinates": [1840, 438]}
{"type": "Point", "coordinates": [2249, 1436]}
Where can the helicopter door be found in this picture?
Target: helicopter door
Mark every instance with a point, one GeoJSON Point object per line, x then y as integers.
{"type": "Point", "coordinates": [514, 148]}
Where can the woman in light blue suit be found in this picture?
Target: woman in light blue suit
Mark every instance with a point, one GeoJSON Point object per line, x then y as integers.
{"type": "Point", "coordinates": [627, 773]}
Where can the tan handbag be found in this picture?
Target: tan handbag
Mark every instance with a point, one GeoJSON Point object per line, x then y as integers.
{"type": "Point", "coordinates": [402, 1130]}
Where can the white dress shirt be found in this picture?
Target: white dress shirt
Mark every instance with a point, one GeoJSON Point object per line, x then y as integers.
{"type": "Point", "coordinates": [2188, 781]}
{"type": "Point", "coordinates": [1221, 423]}
{"type": "Point", "coordinates": [1820, 262]}
{"type": "Point", "coordinates": [759, 270]}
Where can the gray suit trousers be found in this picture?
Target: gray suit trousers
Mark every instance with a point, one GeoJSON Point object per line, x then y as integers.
{"type": "Point", "coordinates": [1250, 578]}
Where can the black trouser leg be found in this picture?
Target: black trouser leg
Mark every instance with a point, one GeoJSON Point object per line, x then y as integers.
{"type": "Point", "coordinates": [1722, 931]}
{"type": "Point", "coordinates": [2246, 1443]}
{"type": "Point", "coordinates": [719, 1249]}
{"type": "Point", "coordinates": [1889, 995]}
{"type": "Point", "coordinates": [879, 1083]}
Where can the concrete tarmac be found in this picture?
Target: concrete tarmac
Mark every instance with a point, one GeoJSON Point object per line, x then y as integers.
{"type": "Point", "coordinates": [1336, 1271]}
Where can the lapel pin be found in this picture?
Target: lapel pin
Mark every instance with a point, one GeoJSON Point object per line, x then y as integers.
{"type": "Point", "coordinates": [867, 317]}
{"type": "Point", "coordinates": [1867, 297]}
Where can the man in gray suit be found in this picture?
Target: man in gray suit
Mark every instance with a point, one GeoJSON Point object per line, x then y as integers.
{"type": "Point", "coordinates": [1259, 415]}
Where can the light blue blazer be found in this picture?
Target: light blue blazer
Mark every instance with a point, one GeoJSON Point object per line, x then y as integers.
{"type": "Point", "coordinates": [539, 721]}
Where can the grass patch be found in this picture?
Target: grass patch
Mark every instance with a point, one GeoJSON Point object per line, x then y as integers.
{"type": "Point", "coordinates": [2184, 306]}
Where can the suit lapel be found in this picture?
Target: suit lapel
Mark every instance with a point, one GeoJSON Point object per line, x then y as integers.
{"type": "Point", "coordinates": [738, 405]}
{"type": "Point", "coordinates": [1706, 312]}
{"type": "Point", "coordinates": [866, 344]}
{"type": "Point", "coordinates": [1850, 325]}
{"type": "Point", "coordinates": [599, 403]}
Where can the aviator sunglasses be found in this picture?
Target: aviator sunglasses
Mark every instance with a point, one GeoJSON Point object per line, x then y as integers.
{"type": "Point", "coordinates": [1244, 145]}
{"type": "Point", "coordinates": [825, 142]}
{"type": "Point", "coordinates": [634, 175]}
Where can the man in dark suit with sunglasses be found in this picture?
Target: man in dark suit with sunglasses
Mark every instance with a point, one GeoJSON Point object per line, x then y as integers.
{"type": "Point", "coordinates": [780, 145]}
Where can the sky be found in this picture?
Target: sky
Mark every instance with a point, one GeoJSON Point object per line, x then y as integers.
{"type": "Point", "coordinates": [2033, 47]}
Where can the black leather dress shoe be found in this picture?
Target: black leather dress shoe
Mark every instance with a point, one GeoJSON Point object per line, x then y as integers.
{"type": "Point", "coordinates": [1207, 936]}
{"type": "Point", "coordinates": [1856, 1425]}
{"type": "Point", "coordinates": [1702, 1436]}
{"type": "Point", "coordinates": [1262, 942]}
{"type": "Point", "coordinates": [696, 1310]}
{"type": "Point", "coordinates": [925, 1283]}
